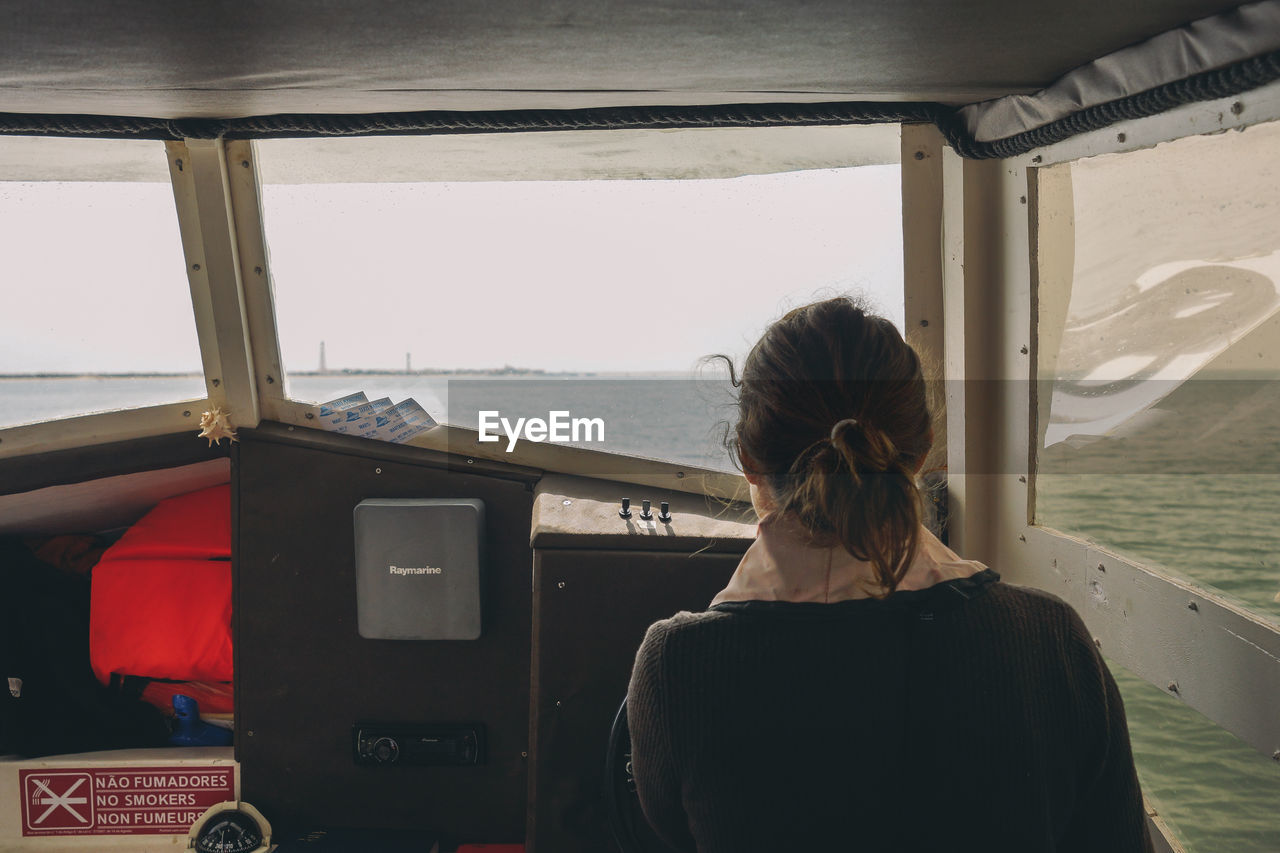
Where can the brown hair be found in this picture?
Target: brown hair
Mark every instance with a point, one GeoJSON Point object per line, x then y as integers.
{"type": "Point", "coordinates": [833, 414]}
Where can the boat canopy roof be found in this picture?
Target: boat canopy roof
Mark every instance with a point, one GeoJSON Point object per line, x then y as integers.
{"type": "Point", "coordinates": [221, 68]}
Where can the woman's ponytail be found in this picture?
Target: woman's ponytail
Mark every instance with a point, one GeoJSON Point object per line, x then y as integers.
{"type": "Point", "coordinates": [833, 414]}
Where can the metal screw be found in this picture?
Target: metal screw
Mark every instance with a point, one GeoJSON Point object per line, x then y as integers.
{"type": "Point", "coordinates": [566, 502]}
{"type": "Point", "coordinates": [1120, 137]}
{"type": "Point", "coordinates": [271, 380]}
{"type": "Point", "coordinates": [215, 382]}
{"type": "Point", "coordinates": [186, 414]}
{"type": "Point", "coordinates": [1022, 537]}
{"type": "Point", "coordinates": [664, 514]}
{"type": "Point", "coordinates": [1022, 478]}
{"type": "Point", "coordinates": [1022, 199]}
{"type": "Point", "coordinates": [1173, 687]}
{"type": "Point", "coordinates": [249, 733]}
{"type": "Point", "coordinates": [1237, 108]}
{"type": "Point", "coordinates": [1101, 567]}
{"type": "Point", "coordinates": [625, 512]}
{"type": "Point", "coordinates": [311, 416]}
{"type": "Point", "coordinates": [1037, 159]}
{"type": "Point", "coordinates": [244, 163]}
{"type": "Point", "coordinates": [1193, 606]}
{"type": "Point", "coordinates": [919, 155]}
{"type": "Point", "coordinates": [471, 461]}
{"type": "Point", "coordinates": [645, 513]}
{"type": "Point", "coordinates": [178, 163]}
{"type": "Point", "coordinates": [195, 266]}
{"type": "Point", "coordinates": [1097, 642]}
{"type": "Point", "coordinates": [679, 475]}
{"type": "Point", "coordinates": [561, 586]}
{"type": "Point", "coordinates": [258, 270]}
{"type": "Point", "coordinates": [557, 703]}
{"type": "Point", "coordinates": [1023, 349]}
{"type": "Point", "coordinates": [377, 470]}
{"type": "Point", "coordinates": [524, 755]}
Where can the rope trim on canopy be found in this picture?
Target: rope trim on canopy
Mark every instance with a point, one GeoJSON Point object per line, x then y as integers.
{"type": "Point", "coordinates": [1207, 86]}
{"type": "Point", "coordinates": [448, 122]}
{"type": "Point", "coordinates": [1211, 85]}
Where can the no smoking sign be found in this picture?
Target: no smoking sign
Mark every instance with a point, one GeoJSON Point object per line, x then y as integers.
{"type": "Point", "coordinates": [121, 800]}
{"type": "Point", "coordinates": [58, 801]}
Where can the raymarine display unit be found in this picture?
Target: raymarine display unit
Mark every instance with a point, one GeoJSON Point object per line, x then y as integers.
{"type": "Point", "coordinates": [419, 565]}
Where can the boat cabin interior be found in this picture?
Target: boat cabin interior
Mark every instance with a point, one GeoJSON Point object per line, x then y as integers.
{"type": "Point", "coordinates": [1078, 204]}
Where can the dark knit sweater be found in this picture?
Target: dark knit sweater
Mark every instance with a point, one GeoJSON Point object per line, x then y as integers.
{"type": "Point", "coordinates": [972, 715]}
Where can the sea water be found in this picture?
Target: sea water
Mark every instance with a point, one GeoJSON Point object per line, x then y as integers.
{"type": "Point", "coordinates": [1217, 530]}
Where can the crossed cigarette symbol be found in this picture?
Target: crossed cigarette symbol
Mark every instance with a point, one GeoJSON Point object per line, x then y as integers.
{"type": "Point", "coordinates": [56, 801]}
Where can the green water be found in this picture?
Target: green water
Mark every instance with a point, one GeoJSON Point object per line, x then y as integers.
{"type": "Point", "coordinates": [1196, 493]}
{"type": "Point", "coordinates": [1218, 794]}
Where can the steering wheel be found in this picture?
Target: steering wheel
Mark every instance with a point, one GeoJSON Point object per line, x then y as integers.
{"type": "Point", "coordinates": [631, 831]}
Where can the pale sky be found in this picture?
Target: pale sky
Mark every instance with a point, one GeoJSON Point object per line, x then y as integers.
{"type": "Point", "coordinates": [560, 275]}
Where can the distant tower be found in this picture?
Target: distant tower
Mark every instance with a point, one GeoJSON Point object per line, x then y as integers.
{"type": "Point", "coordinates": [408, 363]}
{"type": "Point", "coordinates": [323, 369]}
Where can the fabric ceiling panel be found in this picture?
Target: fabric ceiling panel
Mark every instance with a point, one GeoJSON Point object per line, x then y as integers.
{"type": "Point", "coordinates": [231, 59]}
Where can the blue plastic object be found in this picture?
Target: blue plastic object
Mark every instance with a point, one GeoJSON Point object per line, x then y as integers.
{"type": "Point", "coordinates": [191, 730]}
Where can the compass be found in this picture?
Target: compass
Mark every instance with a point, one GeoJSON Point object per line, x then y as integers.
{"type": "Point", "coordinates": [231, 827]}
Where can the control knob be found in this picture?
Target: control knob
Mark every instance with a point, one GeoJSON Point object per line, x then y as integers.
{"type": "Point", "coordinates": [385, 750]}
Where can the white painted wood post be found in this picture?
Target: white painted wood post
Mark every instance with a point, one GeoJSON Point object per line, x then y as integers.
{"type": "Point", "coordinates": [200, 186]}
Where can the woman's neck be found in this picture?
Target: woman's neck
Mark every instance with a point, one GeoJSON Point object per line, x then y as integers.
{"type": "Point", "coordinates": [784, 564]}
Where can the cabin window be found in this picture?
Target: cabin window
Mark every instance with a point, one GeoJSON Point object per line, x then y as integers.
{"type": "Point", "coordinates": [586, 273]}
{"type": "Point", "coordinates": [97, 311]}
{"type": "Point", "coordinates": [1163, 434]}
{"type": "Point", "coordinates": [1159, 418]}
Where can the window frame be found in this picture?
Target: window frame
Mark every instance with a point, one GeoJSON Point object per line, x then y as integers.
{"type": "Point", "coordinates": [980, 223]}
{"type": "Point", "coordinates": [275, 404]}
{"type": "Point", "coordinates": [1213, 654]}
{"type": "Point", "coordinates": [164, 418]}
